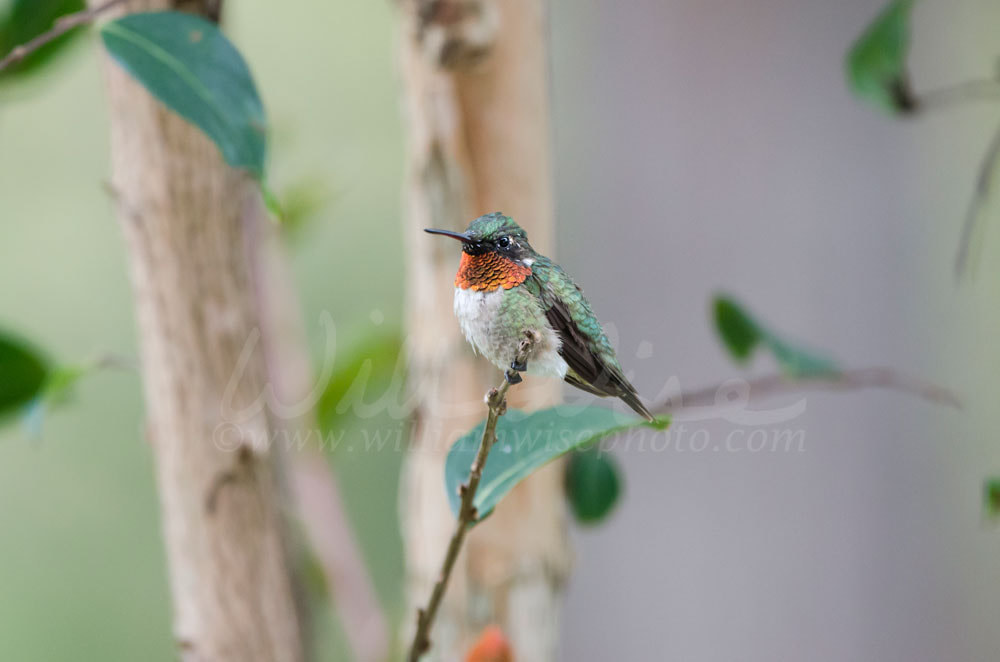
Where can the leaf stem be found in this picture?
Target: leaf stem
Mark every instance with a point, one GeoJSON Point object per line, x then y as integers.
{"type": "Point", "coordinates": [496, 400]}
{"type": "Point", "coordinates": [981, 89]}
{"type": "Point", "coordinates": [62, 25]}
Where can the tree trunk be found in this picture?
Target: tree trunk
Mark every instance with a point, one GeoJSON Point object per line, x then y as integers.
{"type": "Point", "coordinates": [182, 213]}
{"type": "Point", "coordinates": [477, 113]}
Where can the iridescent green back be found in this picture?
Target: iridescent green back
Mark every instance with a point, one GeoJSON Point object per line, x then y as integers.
{"type": "Point", "coordinates": [557, 285]}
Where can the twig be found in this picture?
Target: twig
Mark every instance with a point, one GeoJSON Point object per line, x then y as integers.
{"type": "Point", "coordinates": [112, 361]}
{"type": "Point", "coordinates": [985, 89]}
{"type": "Point", "coordinates": [847, 380]}
{"type": "Point", "coordinates": [62, 25]}
{"type": "Point", "coordinates": [497, 402]}
{"type": "Point", "coordinates": [984, 187]}
{"type": "Point", "coordinates": [327, 528]}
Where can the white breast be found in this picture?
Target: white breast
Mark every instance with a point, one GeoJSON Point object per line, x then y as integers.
{"type": "Point", "coordinates": [474, 311]}
{"type": "Point", "coordinates": [477, 313]}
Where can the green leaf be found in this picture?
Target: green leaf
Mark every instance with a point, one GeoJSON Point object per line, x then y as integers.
{"type": "Point", "coordinates": [991, 498]}
{"type": "Point", "coordinates": [189, 65]}
{"type": "Point", "coordinates": [23, 373]}
{"type": "Point", "coordinates": [741, 334]}
{"type": "Point", "coordinates": [876, 63]}
{"type": "Point", "coordinates": [592, 483]}
{"type": "Point", "coordinates": [272, 203]}
{"type": "Point", "coordinates": [23, 20]}
{"type": "Point", "coordinates": [373, 362]}
{"type": "Point", "coordinates": [31, 384]}
{"type": "Point", "coordinates": [525, 442]}
{"type": "Point", "coordinates": [738, 331]}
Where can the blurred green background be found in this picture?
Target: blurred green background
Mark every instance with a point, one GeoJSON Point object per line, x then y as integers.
{"type": "Point", "coordinates": [82, 572]}
{"type": "Point", "coordinates": [700, 145]}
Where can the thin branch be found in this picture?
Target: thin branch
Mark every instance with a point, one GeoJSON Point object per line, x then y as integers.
{"type": "Point", "coordinates": [318, 501]}
{"type": "Point", "coordinates": [984, 187]}
{"type": "Point", "coordinates": [324, 519]}
{"type": "Point", "coordinates": [847, 380]}
{"type": "Point", "coordinates": [111, 361]}
{"type": "Point", "coordinates": [497, 402]}
{"type": "Point", "coordinates": [982, 89]}
{"type": "Point", "coordinates": [62, 25]}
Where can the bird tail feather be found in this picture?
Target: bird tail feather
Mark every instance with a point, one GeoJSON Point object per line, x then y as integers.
{"type": "Point", "coordinates": [633, 401]}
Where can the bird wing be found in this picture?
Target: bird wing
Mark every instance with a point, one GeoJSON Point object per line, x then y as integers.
{"type": "Point", "coordinates": [586, 365]}
{"type": "Point", "coordinates": [588, 370]}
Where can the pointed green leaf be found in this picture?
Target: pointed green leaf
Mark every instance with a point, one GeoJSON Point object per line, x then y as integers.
{"type": "Point", "coordinates": [31, 384]}
{"type": "Point", "coordinates": [23, 372]}
{"type": "Point", "coordinates": [738, 331]}
{"type": "Point", "coordinates": [876, 63]}
{"type": "Point", "coordinates": [23, 20]}
{"type": "Point", "coordinates": [741, 334]}
{"type": "Point", "coordinates": [593, 484]}
{"type": "Point", "coordinates": [272, 203]}
{"type": "Point", "coordinates": [526, 442]}
{"type": "Point", "coordinates": [991, 498]}
{"type": "Point", "coordinates": [189, 65]}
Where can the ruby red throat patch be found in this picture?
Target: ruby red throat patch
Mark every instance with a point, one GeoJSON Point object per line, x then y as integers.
{"type": "Point", "coordinates": [488, 272]}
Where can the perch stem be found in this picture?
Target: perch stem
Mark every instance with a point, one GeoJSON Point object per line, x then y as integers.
{"type": "Point", "coordinates": [496, 400]}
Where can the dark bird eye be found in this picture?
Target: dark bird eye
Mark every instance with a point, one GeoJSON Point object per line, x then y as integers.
{"type": "Point", "coordinates": [503, 242]}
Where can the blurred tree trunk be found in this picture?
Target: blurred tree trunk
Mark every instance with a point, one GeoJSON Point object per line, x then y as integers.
{"type": "Point", "coordinates": [477, 114]}
{"type": "Point", "coordinates": [182, 213]}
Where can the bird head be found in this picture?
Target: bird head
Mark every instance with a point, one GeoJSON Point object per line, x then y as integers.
{"type": "Point", "coordinates": [493, 233]}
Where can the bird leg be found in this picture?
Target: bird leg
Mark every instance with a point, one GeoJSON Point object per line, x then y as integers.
{"type": "Point", "coordinates": [520, 362]}
{"type": "Point", "coordinates": [517, 366]}
{"type": "Point", "coordinates": [513, 376]}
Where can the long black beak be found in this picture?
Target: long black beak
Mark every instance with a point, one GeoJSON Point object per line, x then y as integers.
{"type": "Point", "coordinates": [448, 233]}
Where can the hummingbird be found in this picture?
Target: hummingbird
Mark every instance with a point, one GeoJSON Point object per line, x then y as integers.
{"type": "Point", "coordinates": [504, 288]}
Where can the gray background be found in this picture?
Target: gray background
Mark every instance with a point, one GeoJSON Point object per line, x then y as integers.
{"type": "Point", "coordinates": [712, 145]}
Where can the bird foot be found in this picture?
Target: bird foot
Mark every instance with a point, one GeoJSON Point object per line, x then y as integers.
{"type": "Point", "coordinates": [520, 362]}
{"type": "Point", "coordinates": [513, 377]}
